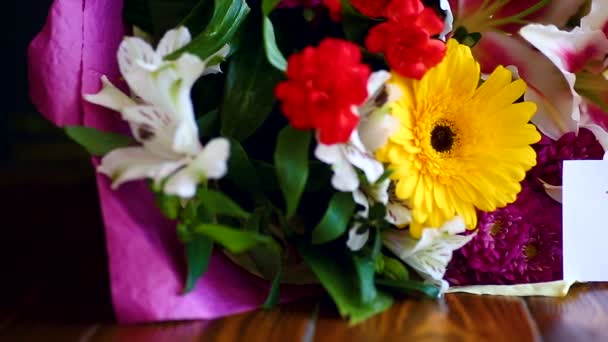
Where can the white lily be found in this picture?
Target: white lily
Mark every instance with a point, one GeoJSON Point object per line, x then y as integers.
{"type": "Point", "coordinates": [429, 256]}
{"type": "Point", "coordinates": [162, 117]}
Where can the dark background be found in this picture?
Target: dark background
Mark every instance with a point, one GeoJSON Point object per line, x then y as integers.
{"type": "Point", "coordinates": [52, 242]}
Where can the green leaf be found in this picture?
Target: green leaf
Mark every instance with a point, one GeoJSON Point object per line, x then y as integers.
{"type": "Point", "coordinates": [228, 15]}
{"type": "Point", "coordinates": [96, 142]}
{"type": "Point", "coordinates": [241, 170]}
{"type": "Point", "coordinates": [354, 23]}
{"type": "Point", "coordinates": [291, 162]}
{"type": "Point", "coordinates": [198, 254]}
{"type": "Point", "coordinates": [273, 295]}
{"type": "Point", "coordinates": [365, 268]}
{"type": "Point", "coordinates": [219, 204]}
{"type": "Point", "coordinates": [249, 90]}
{"type": "Point", "coordinates": [268, 6]}
{"type": "Point", "coordinates": [273, 54]}
{"type": "Point", "coordinates": [208, 124]}
{"type": "Point", "coordinates": [336, 276]}
{"type": "Point", "coordinates": [335, 221]}
{"type": "Point", "coordinates": [198, 17]}
{"type": "Point", "coordinates": [169, 205]}
{"type": "Point", "coordinates": [409, 286]}
{"type": "Point", "coordinates": [233, 239]}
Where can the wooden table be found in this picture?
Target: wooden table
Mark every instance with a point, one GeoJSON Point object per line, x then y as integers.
{"type": "Point", "coordinates": [54, 288]}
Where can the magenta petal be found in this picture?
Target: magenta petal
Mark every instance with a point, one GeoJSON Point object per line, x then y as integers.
{"type": "Point", "coordinates": [77, 45]}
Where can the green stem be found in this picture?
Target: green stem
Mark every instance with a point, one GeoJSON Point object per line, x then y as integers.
{"type": "Point", "coordinates": [521, 15]}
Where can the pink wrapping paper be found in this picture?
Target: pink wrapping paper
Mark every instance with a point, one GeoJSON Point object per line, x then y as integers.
{"type": "Point", "coordinates": [147, 269]}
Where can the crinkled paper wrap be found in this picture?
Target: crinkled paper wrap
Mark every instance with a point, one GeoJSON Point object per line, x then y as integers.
{"type": "Point", "coordinates": [66, 59]}
{"type": "Point", "coordinates": [549, 289]}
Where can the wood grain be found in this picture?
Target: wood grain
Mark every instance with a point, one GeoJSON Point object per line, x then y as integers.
{"type": "Point", "coordinates": [580, 316]}
{"type": "Point", "coordinates": [456, 317]}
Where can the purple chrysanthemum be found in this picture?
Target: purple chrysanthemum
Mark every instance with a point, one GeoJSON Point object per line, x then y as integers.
{"type": "Point", "coordinates": [551, 154]}
{"type": "Point", "coordinates": [520, 243]}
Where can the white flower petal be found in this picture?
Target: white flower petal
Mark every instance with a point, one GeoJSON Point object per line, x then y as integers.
{"type": "Point", "coordinates": [110, 97]}
{"type": "Point", "coordinates": [133, 163]}
{"type": "Point", "coordinates": [173, 40]}
{"type": "Point", "coordinates": [376, 129]}
{"type": "Point", "coordinates": [360, 198]}
{"type": "Point", "coordinates": [183, 183]}
{"type": "Point", "coordinates": [213, 62]}
{"type": "Point", "coordinates": [345, 177]}
{"type": "Point", "coordinates": [449, 18]}
{"type": "Point", "coordinates": [356, 239]}
{"type": "Point", "coordinates": [213, 160]}
{"type": "Point", "coordinates": [398, 214]}
{"type": "Point", "coordinates": [356, 153]}
{"type": "Point", "coordinates": [430, 255]}
{"type": "Point", "coordinates": [155, 129]}
{"type": "Point", "coordinates": [135, 50]}
{"type": "Point", "coordinates": [597, 19]}
{"type": "Point", "coordinates": [553, 191]}
{"type": "Point", "coordinates": [375, 83]}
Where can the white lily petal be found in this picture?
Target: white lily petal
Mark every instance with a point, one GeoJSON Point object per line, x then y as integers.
{"type": "Point", "coordinates": [356, 153]}
{"type": "Point", "coordinates": [110, 97]}
{"type": "Point", "coordinates": [173, 40]}
{"type": "Point", "coordinates": [189, 68]}
{"type": "Point", "coordinates": [344, 177]}
{"type": "Point", "coordinates": [449, 19]}
{"type": "Point", "coordinates": [213, 160]}
{"type": "Point", "coordinates": [597, 19]}
{"type": "Point", "coordinates": [551, 118]}
{"type": "Point", "coordinates": [430, 255]}
{"type": "Point", "coordinates": [360, 198]}
{"type": "Point", "coordinates": [376, 82]}
{"type": "Point", "coordinates": [398, 214]}
{"type": "Point", "coordinates": [155, 129]}
{"type": "Point", "coordinates": [600, 133]}
{"type": "Point", "coordinates": [356, 239]}
{"type": "Point", "coordinates": [553, 191]}
{"type": "Point", "coordinates": [375, 130]}
{"type": "Point", "coordinates": [135, 50]}
{"type": "Point", "coordinates": [183, 183]}
{"type": "Point", "coordinates": [133, 163]}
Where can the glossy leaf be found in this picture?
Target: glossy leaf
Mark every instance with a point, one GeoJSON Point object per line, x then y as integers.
{"type": "Point", "coordinates": [273, 54]}
{"type": "Point", "coordinates": [241, 170]}
{"type": "Point", "coordinates": [233, 239]}
{"type": "Point", "coordinates": [169, 205]}
{"type": "Point", "coordinates": [336, 276]}
{"type": "Point", "coordinates": [198, 254]}
{"type": "Point", "coordinates": [365, 268]}
{"type": "Point", "coordinates": [291, 163]}
{"type": "Point", "coordinates": [409, 286]}
{"type": "Point", "coordinates": [273, 294]}
{"type": "Point", "coordinates": [228, 15]}
{"type": "Point", "coordinates": [218, 203]}
{"type": "Point", "coordinates": [335, 221]}
{"type": "Point", "coordinates": [97, 142]}
{"type": "Point", "coordinates": [198, 17]}
{"type": "Point", "coordinates": [268, 6]}
{"type": "Point", "coordinates": [249, 89]}
{"type": "Point", "coordinates": [208, 124]}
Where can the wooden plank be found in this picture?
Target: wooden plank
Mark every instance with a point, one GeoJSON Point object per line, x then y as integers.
{"type": "Point", "coordinates": [581, 316]}
{"type": "Point", "coordinates": [456, 317]}
{"type": "Point", "coordinates": [288, 322]}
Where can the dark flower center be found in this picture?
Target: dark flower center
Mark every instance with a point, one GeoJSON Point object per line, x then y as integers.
{"type": "Point", "coordinates": [530, 251]}
{"type": "Point", "coordinates": [442, 138]}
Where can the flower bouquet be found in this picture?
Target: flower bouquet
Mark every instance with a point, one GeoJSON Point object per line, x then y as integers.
{"type": "Point", "coordinates": [254, 151]}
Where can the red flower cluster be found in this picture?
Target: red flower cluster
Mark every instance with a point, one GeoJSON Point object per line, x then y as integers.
{"type": "Point", "coordinates": [370, 8]}
{"type": "Point", "coordinates": [324, 83]}
{"type": "Point", "coordinates": [405, 38]}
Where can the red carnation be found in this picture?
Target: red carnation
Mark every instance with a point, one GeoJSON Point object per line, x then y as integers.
{"type": "Point", "coordinates": [335, 9]}
{"type": "Point", "coordinates": [324, 83]}
{"type": "Point", "coordinates": [371, 8]}
{"type": "Point", "coordinates": [405, 38]}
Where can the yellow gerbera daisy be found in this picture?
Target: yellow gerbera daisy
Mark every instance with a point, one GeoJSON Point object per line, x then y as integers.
{"type": "Point", "coordinates": [459, 146]}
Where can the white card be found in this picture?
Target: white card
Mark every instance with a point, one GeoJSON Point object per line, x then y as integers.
{"type": "Point", "coordinates": [585, 220]}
